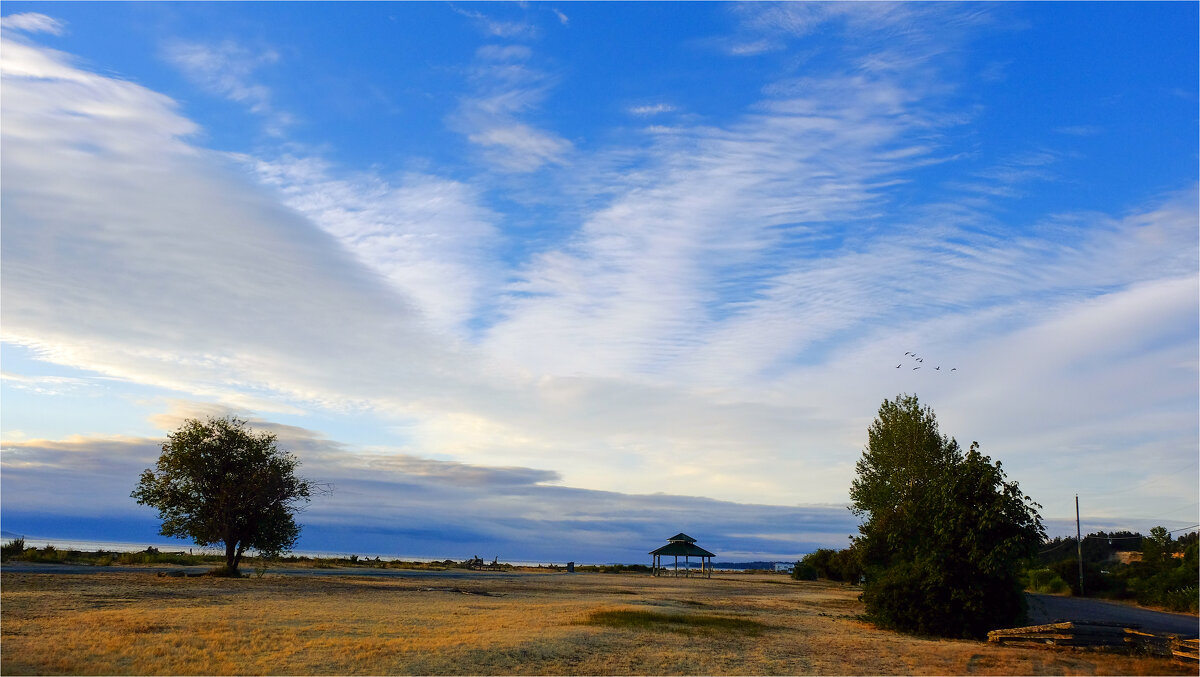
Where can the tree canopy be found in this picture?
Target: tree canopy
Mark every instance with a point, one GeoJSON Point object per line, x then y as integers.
{"type": "Point", "coordinates": [943, 533]}
{"type": "Point", "coordinates": [219, 481]}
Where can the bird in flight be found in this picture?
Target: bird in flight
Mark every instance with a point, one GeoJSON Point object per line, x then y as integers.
{"type": "Point", "coordinates": [897, 366]}
{"type": "Point", "coordinates": [915, 368]}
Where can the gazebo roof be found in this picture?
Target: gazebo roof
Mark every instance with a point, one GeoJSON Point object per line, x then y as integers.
{"type": "Point", "coordinates": [681, 537]}
{"type": "Point", "coordinates": [682, 548]}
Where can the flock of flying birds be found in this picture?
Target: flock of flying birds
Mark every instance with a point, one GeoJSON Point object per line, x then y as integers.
{"type": "Point", "coordinates": [921, 362]}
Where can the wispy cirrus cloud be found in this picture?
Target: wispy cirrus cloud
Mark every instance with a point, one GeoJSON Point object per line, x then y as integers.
{"type": "Point", "coordinates": [500, 28]}
{"type": "Point", "coordinates": [652, 109]}
{"type": "Point", "coordinates": [33, 22]}
{"type": "Point", "coordinates": [429, 237]}
{"type": "Point", "coordinates": [505, 90]}
{"type": "Point", "coordinates": [47, 385]}
{"type": "Point", "coordinates": [703, 226]}
{"type": "Point", "coordinates": [881, 37]}
{"type": "Point", "coordinates": [227, 69]}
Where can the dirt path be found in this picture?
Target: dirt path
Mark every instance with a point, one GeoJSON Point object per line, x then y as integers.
{"type": "Point", "coordinates": [1051, 609]}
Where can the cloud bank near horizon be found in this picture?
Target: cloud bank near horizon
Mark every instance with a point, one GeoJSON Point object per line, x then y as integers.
{"type": "Point", "coordinates": [393, 503]}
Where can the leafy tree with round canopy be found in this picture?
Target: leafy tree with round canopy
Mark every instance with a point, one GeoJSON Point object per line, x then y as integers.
{"type": "Point", "coordinates": [219, 481]}
{"type": "Point", "coordinates": [944, 534]}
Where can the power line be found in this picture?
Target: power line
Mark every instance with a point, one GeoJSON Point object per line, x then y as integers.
{"type": "Point", "coordinates": [1067, 540]}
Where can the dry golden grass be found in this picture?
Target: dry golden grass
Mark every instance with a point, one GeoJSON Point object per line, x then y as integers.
{"type": "Point", "coordinates": [529, 624]}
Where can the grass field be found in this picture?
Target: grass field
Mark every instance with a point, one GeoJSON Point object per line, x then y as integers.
{"type": "Point", "coordinates": [533, 623]}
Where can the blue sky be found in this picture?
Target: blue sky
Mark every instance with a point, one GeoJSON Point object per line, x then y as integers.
{"type": "Point", "coordinates": [591, 274]}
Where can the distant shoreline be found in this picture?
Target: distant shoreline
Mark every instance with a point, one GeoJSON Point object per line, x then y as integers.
{"type": "Point", "coordinates": [87, 545]}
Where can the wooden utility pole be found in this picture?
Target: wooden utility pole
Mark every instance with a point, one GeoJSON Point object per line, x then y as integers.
{"type": "Point", "coordinates": [1078, 545]}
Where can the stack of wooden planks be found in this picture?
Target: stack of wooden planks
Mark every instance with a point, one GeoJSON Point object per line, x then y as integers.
{"type": "Point", "coordinates": [1113, 636]}
{"type": "Point", "coordinates": [1186, 650]}
{"type": "Point", "coordinates": [1066, 633]}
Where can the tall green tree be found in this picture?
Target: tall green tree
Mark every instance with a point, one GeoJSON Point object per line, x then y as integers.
{"type": "Point", "coordinates": [219, 481]}
{"type": "Point", "coordinates": [943, 532]}
{"type": "Point", "coordinates": [1157, 547]}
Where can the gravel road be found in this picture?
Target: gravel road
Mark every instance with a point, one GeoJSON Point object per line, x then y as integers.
{"type": "Point", "coordinates": [1051, 609]}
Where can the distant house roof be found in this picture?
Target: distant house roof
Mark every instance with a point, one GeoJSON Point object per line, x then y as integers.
{"type": "Point", "coordinates": [681, 548]}
{"type": "Point", "coordinates": [681, 537]}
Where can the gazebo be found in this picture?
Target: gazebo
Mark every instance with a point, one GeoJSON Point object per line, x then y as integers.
{"type": "Point", "coordinates": [685, 546]}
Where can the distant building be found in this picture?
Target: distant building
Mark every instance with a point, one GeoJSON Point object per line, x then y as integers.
{"type": "Point", "coordinates": [682, 545]}
{"type": "Point", "coordinates": [785, 567]}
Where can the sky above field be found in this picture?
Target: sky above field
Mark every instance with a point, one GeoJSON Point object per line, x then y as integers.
{"type": "Point", "coordinates": [557, 281]}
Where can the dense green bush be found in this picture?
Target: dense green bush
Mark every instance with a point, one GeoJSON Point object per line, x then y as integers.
{"type": "Point", "coordinates": [945, 535]}
{"type": "Point", "coordinates": [926, 598]}
{"type": "Point", "coordinates": [1045, 581]}
{"type": "Point", "coordinates": [835, 565]}
{"type": "Point", "coordinates": [821, 561]}
{"type": "Point", "coordinates": [1171, 587]}
{"type": "Point", "coordinates": [1095, 582]}
{"type": "Point", "coordinates": [803, 571]}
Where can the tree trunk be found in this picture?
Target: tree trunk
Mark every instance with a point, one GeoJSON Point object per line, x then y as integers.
{"type": "Point", "coordinates": [232, 555]}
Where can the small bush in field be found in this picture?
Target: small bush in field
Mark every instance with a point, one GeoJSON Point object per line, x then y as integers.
{"type": "Point", "coordinates": [13, 548]}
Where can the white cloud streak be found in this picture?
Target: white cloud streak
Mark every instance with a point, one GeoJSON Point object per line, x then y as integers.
{"type": "Point", "coordinates": [33, 22]}
{"type": "Point", "coordinates": [428, 237]}
{"type": "Point", "coordinates": [506, 89]}
{"type": "Point", "coordinates": [226, 69]}
{"type": "Point", "coordinates": [651, 109]}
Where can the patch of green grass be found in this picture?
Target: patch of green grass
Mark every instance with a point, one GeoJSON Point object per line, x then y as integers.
{"type": "Point", "coordinates": [683, 623]}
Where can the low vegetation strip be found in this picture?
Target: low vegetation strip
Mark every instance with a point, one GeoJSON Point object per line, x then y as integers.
{"type": "Point", "coordinates": [641, 619]}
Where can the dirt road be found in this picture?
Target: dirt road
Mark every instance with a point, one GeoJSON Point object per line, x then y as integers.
{"type": "Point", "coordinates": [1051, 609]}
